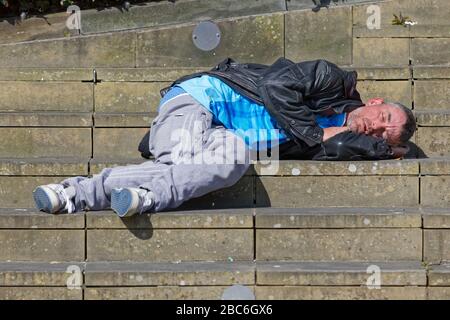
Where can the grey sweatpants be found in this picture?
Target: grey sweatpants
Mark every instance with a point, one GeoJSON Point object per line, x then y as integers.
{"type": "Point", "coordinates": [192, 158]}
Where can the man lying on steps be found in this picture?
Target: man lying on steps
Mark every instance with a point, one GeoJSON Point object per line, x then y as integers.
{"type": "Point", "coordinates": [210, 124]}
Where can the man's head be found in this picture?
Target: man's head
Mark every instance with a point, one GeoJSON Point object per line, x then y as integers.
{"type": "Point", "coordinates": [391, 121]}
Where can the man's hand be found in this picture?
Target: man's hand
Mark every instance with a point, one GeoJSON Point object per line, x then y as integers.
{"type": "Point", "coordinates": [332, 131]}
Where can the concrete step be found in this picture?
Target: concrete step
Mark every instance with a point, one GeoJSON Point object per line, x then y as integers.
{"type": "Point", "coordinates": [390, 183]}
{"type": "Point", "coordinates": [278, 253]}
{"type": "Point", "coordinates": [46, 135]}
{"type": "Point", "coordinates": [292, 183]}
{"type": "Point", "coordinates": [137, 89]}
{"type": "Point", "coordinates": [255, 27]}
{"type": "Point", "coordinates": [124, 102]}
{"type": "Point", "coordinates": [209, 280]}
{"type": "Point", "coordinates": [151, 15]}
{"type": "Point", "coordinates": [262, 234]}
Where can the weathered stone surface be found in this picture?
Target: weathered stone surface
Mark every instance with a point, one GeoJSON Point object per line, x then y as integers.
{"type": "Point", "coordinates": [43, 167]}
{"type": "Point", "coordinates": [344, 168]}
{"type": "Point", "coordinates": [33, 219]}
{"type": "Point", "coordinates": [339, 273]}
{"type": "Point", "coordinates": [204, 219]}
{"type": "Point", "coordinates": [170, 245]}
{"type": "Point", "coordinates": [337, 218]}
{"type": "Point", "coordinates": [169, 274]}
{"type": "Point", "coordinates": [374, 52]}
{"type": "Point", "coordinates": [45, 119]}
{"type": "Point", "coordinates": [381, 73]}
{"type": "Point", "coordinates": [438, 293]}
{"type": "Point", "coordinates": [308, 4]}
{"type": "Point", "coordinates": [424, 12]}
{"type": "Point", "coordinates": [130, 120]}
{"type": "Point", "coordinates": [430, 31]}
{"type": "Point", "coordinates": [35, 273]}
{"type": "Point", "coordinates": [240, 195]}
{"type": "Point", "coordinates": [144, 74]}
{"type": "Point", "coordinates": [258, 39]}
{"type": "Point", "coordinates": [439, 276]}
{"type": "Point", "coordinates": [436, 245]}
{"type": "Point", "coordinates": [339, 244]}
{"type": "Point", "coordinates": [338, 293]}
{"type": "Point", "coordinates": [438, 218]}
{"type": "Point", "coordinates": [44, 142]}
{"type": "Point", "coordinates": [156, 293]}
{"type": "Point", "coordinates": [431, 72]}
{"type": "Point", "coordinates": [16, 192]}
{"type": "Point", "coordinates": [45, 74]}
{"type": "Point", "coordinates": [330, 191]}
{"type": "Point", "coordinates": [430, 51]}
{"type": "Point", "coordinates": [434, 141]}
{"type": "Point", "coordinates": [439, 118]}
{"type": "Point", "coordinates": [385, 31]}
{"type": "Point", "coordinates": [432, 94]}
{"type": "Point", "coordinates": [128, 96]}
{"type": "Point", "coordinates": [118, 142]}
{"type": "Point", "coordinates": [105, 50]}
{"type": "Point", "coordinates": [45, 96]}
{"type": "Point", "coordinates": [398, 91]}
{"type": "Point", "coordinates": [326, 34]}
{"type": "Point", "coordinates": [33, 28]}
{"type": "Point", "coordinates": [435, 166]}
{"type": "Point", "coordinates": [434, 191]}
{"type": "Point", "coordinates": [42, 245]}
{"type": "Point", "coordinates": [362, 14]}
{"type": "Point", "coordinates": [39, 293]}
{"type": "Point", "coordinates": [165, 13]}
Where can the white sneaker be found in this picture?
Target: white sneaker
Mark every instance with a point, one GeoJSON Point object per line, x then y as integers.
{"type": "Point", "coordinates": [54, 198]}
{"type": "Point", "coordinates": [129, 201]}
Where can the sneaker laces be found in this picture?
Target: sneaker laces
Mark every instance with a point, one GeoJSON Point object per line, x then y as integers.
{"type": "Point", "coordinates": [146, 197]}
{"type": "Point", "coordinates": [70, 206]}
{"type": "Point", "coordinates": [65, 198]}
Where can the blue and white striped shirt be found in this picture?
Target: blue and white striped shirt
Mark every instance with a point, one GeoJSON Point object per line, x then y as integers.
{"type": "Point", "coordinates": [249, 120]}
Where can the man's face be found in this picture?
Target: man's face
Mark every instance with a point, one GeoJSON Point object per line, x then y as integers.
{"type": "Point", "coordinates": [378, 120]}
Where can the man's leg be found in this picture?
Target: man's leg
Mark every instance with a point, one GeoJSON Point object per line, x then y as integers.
{"type": "Point", "coordinates": [211, 158]}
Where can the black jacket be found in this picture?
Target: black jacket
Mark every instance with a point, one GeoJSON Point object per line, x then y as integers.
{"type": "Point", "coordinates": [292, 94]}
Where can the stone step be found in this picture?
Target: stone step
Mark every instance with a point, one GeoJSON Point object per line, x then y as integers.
{"type": "Point", "coordinates": [140, 48]}
{"type": "Point", "coordinates": [150, 15]}
{"type": "Point", "coordinates": [43, 134]}
{"type": "Point", "coordinates": [209, 280]}
{"type": "Point", "coordinates": [119, 85]}
{"type": "Point", "coordinates": [136, 90]}
{"type": "Point", "coordinates": [433, 132]}
{"type": "Point", "coordinates": [393, 183]}
{"type": "Point", "coordinates": [261, 234]}
{"type": "Point", "coordinates": [32, 140]}
{"type": "Point", "coordinates": [247, 37]}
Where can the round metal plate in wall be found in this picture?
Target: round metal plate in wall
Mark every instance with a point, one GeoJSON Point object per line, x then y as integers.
{"type": "Point", "coordinates": [206, 36]}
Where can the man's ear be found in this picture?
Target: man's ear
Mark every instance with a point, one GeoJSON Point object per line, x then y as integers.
{"type": "Point", "coordinates": [374, 101]}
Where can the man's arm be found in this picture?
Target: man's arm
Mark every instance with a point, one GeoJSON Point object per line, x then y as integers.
{"type": "Point", "coordinates": [284, 92]}
{"type": "Point", "coordinates": [398, 151]}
